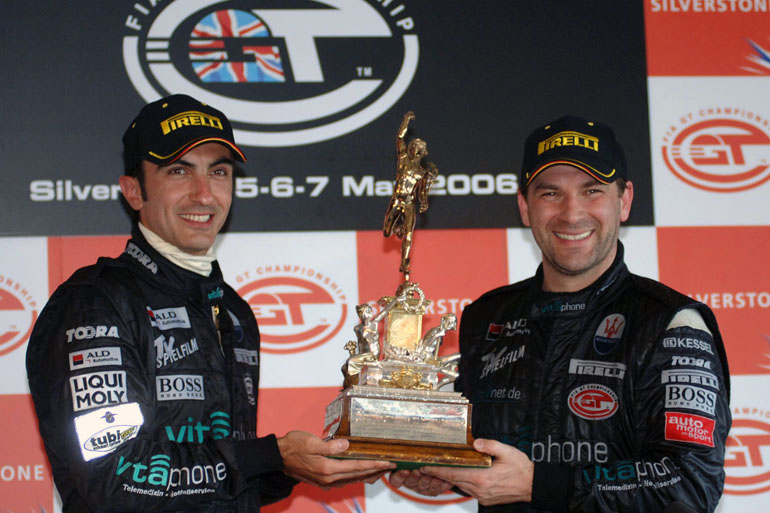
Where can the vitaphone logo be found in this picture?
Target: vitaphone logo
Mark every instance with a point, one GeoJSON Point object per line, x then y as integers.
{"type": "Point", "coordinates": [559, 306]}
{"type": "Point", "coordinates": [159, 472]}
{"type": "Point", "coordinates": [299, 68]}
{"type": "Point", "coordinates": [218, 427]}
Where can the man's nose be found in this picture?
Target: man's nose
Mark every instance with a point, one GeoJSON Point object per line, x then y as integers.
{"type": "Point", "coordinates": [201, 192]}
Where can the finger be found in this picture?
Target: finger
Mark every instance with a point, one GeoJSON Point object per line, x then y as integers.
{"type": "Point", "coordinates": [399, 477]}
{"type": "Point", "coordinates": [452, 475]}
{"type": "Point", "coordinates": [376, 477]}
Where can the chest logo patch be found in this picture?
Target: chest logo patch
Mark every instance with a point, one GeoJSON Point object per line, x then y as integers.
{"type": "Point", "coordinates": [593, 402]}
{"type": "Point", "coordinates": [609, 333]}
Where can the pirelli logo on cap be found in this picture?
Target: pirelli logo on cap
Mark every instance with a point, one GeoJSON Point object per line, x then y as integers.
{"type": "Point", "coordinates": [190, 118]}
{"type": "Point", "coordinates": [568, 138]}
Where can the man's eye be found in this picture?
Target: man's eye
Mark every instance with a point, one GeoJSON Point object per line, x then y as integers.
{"type": "Point", "coordinates": [176, 171]}
{"type": "Point", "coordinates": [220, 172]}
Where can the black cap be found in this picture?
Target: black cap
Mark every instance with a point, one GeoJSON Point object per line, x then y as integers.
{"type": "Point", "coordinates": [168, 128]}
{"type": "Point", "coordinates": [587, 145]}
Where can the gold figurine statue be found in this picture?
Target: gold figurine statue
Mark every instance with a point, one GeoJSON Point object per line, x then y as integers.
{"type": "Point", "coordinates": [413, 181]}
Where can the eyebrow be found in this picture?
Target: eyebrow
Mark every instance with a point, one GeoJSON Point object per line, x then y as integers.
{"type": "Point", "coordinates": [222, 160]}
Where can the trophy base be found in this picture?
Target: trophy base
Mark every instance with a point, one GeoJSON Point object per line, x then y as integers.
{"type": "Point", "coordinates": [408, 455]}
{"type": "Point", "coordinates": [412, 428]}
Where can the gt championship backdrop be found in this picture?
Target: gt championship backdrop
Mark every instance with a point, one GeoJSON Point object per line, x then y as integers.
{"type": "Point", "coordinates": [316, 90]}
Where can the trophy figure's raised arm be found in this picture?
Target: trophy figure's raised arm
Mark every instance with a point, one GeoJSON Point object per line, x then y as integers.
{"type": "Point", "coordinates": [392, 407]}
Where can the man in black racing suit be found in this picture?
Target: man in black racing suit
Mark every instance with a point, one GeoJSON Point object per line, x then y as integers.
{"type": "Point", "coordinates": [594, 389]}
{"type": "Point", "coordinates": [144, 369]}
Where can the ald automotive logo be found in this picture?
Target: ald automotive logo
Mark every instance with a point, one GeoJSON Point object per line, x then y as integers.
{"type": "Point", "coordinates": [297, 307]}
{"type": "Point", "coordinates": [719, 149]}
{"type": "Point", "coordinates": [285, 73]}
{"type": "Point", "coordinates": [18, 313]}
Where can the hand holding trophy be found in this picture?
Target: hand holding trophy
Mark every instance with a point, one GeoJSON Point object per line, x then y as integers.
{"type": "Point", "coordinates": [391, 407]}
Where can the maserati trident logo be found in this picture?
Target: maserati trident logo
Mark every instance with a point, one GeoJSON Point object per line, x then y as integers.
{"type": "Point", "coordinates": [285, 76]}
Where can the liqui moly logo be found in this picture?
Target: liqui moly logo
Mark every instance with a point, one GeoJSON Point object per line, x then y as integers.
{"type": "Point", "coordinates": [297, 307]}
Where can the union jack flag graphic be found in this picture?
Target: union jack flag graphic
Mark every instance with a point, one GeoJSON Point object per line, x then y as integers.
{"type": "Point", "coordinates": [211, 60]}
{"type": "Point", "coordinates": [353, 507]}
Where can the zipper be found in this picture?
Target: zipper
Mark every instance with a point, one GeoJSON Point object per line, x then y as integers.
{"type": "Point", "coordinates": [215, 318]}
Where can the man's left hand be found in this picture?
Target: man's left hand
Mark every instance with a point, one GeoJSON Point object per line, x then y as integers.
{"type": "Point", "coordinates": [508, 480]}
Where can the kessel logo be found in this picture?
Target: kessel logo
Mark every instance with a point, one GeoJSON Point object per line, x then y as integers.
{"type": "Point", "coordinates": [283, 76]}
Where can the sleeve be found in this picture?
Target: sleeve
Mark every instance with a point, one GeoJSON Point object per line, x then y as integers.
{"type": "Point", "coordinates": [91, 375]}
{"type": "Point", "coordinates": [678, 416]}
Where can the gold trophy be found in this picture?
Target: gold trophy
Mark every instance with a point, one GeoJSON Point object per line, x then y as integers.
{"type": "Point", "coordinates": [391, 407]}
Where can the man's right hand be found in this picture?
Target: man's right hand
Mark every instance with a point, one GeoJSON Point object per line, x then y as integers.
{"type": "Point", "coordinates": [306, 458]}
{"type": "Point", "coordinates": [419, 482]}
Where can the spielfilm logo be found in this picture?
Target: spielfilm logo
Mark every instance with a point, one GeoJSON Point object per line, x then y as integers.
{"type": "Point", "coordinates": [747, 453]}
{"type": "Point", "coordinates": [719, 150]}
{"type": "Point", "coordinates": [18, 313]}
{"type": "Point", "coordinates": [298, 309]}
{"type": "Point", "coordinates": [307, 72]}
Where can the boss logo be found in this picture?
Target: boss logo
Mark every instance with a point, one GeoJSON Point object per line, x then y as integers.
{"type": "Point", "coordinates": [694, 398]}
{"type": "Point", "coordinates": [179, 387]}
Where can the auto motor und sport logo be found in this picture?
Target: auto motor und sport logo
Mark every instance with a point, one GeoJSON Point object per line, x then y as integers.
{"type": "Point", "coordinates": [18, 313]}
{"type": "Point", "coordinates": [307, 72]}
{"type": "Point", "coordinates": [747, 452]}
{"type": "Point", "coordinates": [719, 149]}
{"type": "Point", "coordinates": [297, 308]}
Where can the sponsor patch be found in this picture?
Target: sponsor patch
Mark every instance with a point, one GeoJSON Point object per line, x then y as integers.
{"type": "Point", "coordinates": [494, 331]}
{"type": "Point", "coordinates": [248, 384]}
{"type": "Point", "coordinates": [95, 358]}
{"type": "Point", "coordinates": [98, 389]}
{"type": "Point", "coordinates": [687, 343]}
{"type": "Point", "coordinates": [89, 332]}
{"type": "Point", "coordinates": [683, 427]}
{"type": "Point", "coordinates": [237, 328]}
{"type": "Point", "coordinates": [690, 397]}
{"type": "Point", "coordinates": [593, 402]}
{"type": "Point", "coordinates": [596, 368]}
{"type": "Point", "coordinates": [609, 333]}
{"type": "Point", "coordinates": [689, 361]}
{"type": "Point", "coordinates": [691, 376]}
{"type": "Point", "coordinates": [166, 352]}
{"type": "Point", "coordinates": [494, 362]}
{"type": "Point", "coordinates": [140, 256]}
{"type": "Point", "coordinates": [247, 356]}
{"type": "Point", "coordinates": [102, 431]}
{"type": "Point", "coordinates": [169, 318]}
{"type": "Point", "coordinates": [179, 387]}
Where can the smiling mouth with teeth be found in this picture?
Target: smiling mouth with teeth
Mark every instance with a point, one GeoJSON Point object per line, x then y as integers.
{"type": "Point", "coordinates": [579, 236]}
{"type": "Point", "coordinates": [198, 218]}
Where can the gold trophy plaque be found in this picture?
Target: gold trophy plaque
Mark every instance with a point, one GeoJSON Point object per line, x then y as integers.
{"type": "Point", "coordinates": [391, 407]}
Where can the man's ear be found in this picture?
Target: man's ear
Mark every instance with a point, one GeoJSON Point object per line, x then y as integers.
{"type": "Point", "coordinates": [132, 191]}
{"type": "Point", "coordinates": [626, 198]}
{"type": "Point", "coordinates": [523, 209]}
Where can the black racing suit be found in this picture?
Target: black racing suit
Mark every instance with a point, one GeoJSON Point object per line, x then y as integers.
{"type": "Point", "coordinates": [144, 377]}
{"type": "Point", "coordinates": [618, 413]}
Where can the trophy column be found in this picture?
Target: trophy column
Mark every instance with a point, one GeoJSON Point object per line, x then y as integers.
{"type": "Point", "coordinates": [391, 407]}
